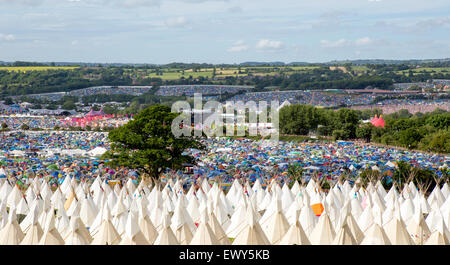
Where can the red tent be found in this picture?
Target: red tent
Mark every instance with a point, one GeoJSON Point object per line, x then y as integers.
{"type": "Point", "coordinates": [374, 120]}
{"type": "Point", "coordinates": [377, 122]}
{"type": "Point", "coordinates": [95, 113]}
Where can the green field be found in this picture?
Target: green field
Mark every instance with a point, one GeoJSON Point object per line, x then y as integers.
{"type": "Point", "coordinates": [177, 73]}
{"type": "Point", "coordinates": [235, 71]}
{"type": "Point", "coordinates": [303, 68]}
{"type": "Point", "coordinates": [36, 68]}
{"type": "Point", "coordinates": [359, 68]}
{"type": "Point", "coordinates": [416, 71]}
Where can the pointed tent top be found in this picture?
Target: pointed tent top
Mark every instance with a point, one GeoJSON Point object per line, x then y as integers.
{"type": "Point", "coordinates": [344, 236]}
{"type": "Point", "coordinates": [131, 227]}
{"type": "Point", "coordinates": [130, 185]}
{"type": "Point", "coordinates": [12, 215]}
{"type": "Point", "coordinates": [412, 186]}
{"type": "Point", "coordinates": [49, 222]}
{"type": "Point", "coordinates": [297, 215]}
{"type": "Point", "coordinates": [397, 233]}
{"type": "Point", "coordinates": [295, 188]}
{"type": "Point", "coordinates": [210, 205]}
{"type": "Point", "coordinates": [106, 213]}
{"type": "Point", "coordinates": [323, 232]}
{"type": "Point", "coordinates": [295, 235]}
{"type": "Point", "coordinates": [278, 207]}
{"type": "Point", "coordinates": [250, 216]}
{"type": "Point", "coordinates": [166, 219]}
{"type": "Point", "coordinates": [22, 206]}
{"type": "Point", "coordinates": [445, 190]}
{"type": "Point", "coordinates": [306, 199]}
{"type": "Point", "coordinates": [439, 224]}
{"type": "Point", "coordinates": [119, 207]}
{"type": "Point", "coordinates": [257, 185]}
{"type": "Point", "coordinates": [143, 212]}
{"type": "Point", "coordinates": [204, 217]}
{"type": "Point", "coordinates": [34, 216]}
{"type": "Point", "coordinates": [378, 217]}
{"type": "Point", "coordinates": [204, 234]}
{"type": "Point", "coordinates": [205, 185]}
{"type": "Point", "coordinates": [74, 223]}
{"type": "Point", "coordinates": [178, 218]}
{"type": "Point", "coordinates": [311, 185]}
{"type": "Point", "coordinates": [375, 236]}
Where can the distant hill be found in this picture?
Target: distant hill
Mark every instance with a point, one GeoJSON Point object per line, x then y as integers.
{"type": "Point", "coordinates": [382, 61]}
{"type": "Point", "coordinates": [203, 65]}
{"type": "Point", "coordinates": [23, 63]}
{"type": "Point", "coordinates": [262, 63]}
{"type": "Point", "coordinates": [354, 62]}
{"type": "Point", "coordinates": [298, 63]}
{"type": "Point", "coordinates": [91, 64]}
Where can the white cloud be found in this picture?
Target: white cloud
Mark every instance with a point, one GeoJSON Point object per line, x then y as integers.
{"type": "Point", "coordinates": [175, 22]}
{"type": "Point", "coordinates": [434, 23]}
{"type": "Point", "coordinates": [39, 42]}
{"type": "Point", "coordinates": [334, 44]}
{"type": "Point", "coordinates": [235, 9]}
{"type": "Point", "coordinates": [363, 41]}
{"type": "Point", "coordinates": [22, 2]}
{"type": "Point", "coordinates": [121, 3]}
{"type": "Point", "coordinates": [171, 22]}
{"type": "Point", "coordinates": [269, 45]}
{"type": "Point", "coordinates": [140, 3]}
{"type": "Point", "coordinates": [238, 46]}
{"type": "Point", "coordinates": [74, 42]}
{"type": "Point", "coordinates": [346, 43]}
{"type": "Point", "coordinates": [416, 27]}
{"type": "Point", "coordinates": [8, 37]}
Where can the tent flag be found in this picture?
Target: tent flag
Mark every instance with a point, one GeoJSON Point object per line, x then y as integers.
{"type": "Point", "coordinates": [317, 208]}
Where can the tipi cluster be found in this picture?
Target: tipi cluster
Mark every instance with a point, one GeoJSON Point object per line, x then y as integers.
{"type": "Point", "coordinates": [98, 214]}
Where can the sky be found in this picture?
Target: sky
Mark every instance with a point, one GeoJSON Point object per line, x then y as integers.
{"type": "Point", "coordinates": [222, 31]}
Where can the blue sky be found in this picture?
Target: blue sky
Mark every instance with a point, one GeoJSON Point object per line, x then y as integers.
{"type": "Point", "coordinates": [222, 31]}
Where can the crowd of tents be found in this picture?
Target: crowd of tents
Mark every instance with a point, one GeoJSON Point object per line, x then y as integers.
{"type": "Point", "coordinates": [102, 213]}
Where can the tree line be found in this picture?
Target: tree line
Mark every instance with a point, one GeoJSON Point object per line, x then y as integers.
{"type": "Point", "coordinates": [427, 132]}
{"type": "Point", "coordinates": [321, 77]}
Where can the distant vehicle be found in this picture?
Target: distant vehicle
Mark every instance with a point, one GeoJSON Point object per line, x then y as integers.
{"type": "Point", "coordinates": [188, 168]}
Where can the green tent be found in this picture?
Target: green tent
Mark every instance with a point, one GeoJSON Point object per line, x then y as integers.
{"type": "Point", "coordinates": [53, 167]}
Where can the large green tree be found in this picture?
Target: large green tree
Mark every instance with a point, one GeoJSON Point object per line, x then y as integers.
{"type": "Point", "coordinates": [365, 132]}
{"type": "Point", "coordinates": [409, 138]}
{"type": "Point", "coordinates": [295, 172]}
{"type": "Point", "coordinates": [420, 176]}
{"type": "Point", "coordinates": [347, 120]}
{"type": "Point", "coordinates": [147, 144]}
{"type": "Point", "coordinates": [299, 119]}
{"type": "Point", "coordinates": [68, 105]}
